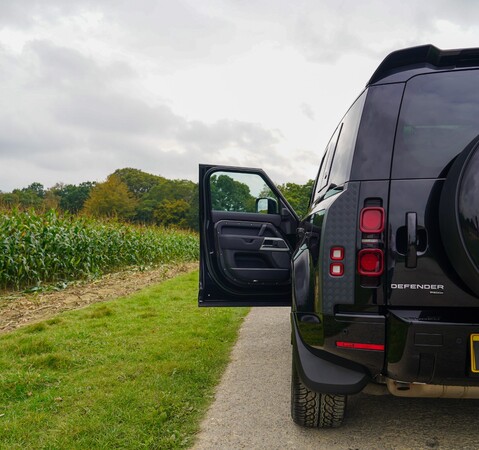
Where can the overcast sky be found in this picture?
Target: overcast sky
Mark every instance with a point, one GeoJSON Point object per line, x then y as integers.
{"type": "Point", "coordinates": [88, 87]}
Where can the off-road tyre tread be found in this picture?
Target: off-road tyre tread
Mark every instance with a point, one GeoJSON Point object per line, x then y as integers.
{"type": "Point", "coordinates": [312, 409]}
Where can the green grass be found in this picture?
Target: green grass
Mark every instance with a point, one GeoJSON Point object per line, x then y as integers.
{"type": "Point", "coordinates": [137, 372]}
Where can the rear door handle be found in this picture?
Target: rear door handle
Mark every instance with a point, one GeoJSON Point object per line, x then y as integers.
{"type": "Point", "coordinates": [411, 253]}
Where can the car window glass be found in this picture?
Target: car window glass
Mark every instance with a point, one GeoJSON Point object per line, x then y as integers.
{"type": "Point", "coordinates": [439, 116]}
{"type": "Point", "coordinates": [343, 156]}
{"type": "Point", "coordinates": [241, 192]}
{"type": "Point", "coordinates": [323, 175]}
{"type": "Point", "coordinates": [316, 181]}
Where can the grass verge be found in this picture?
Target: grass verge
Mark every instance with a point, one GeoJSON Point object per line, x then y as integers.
{"type": "Point", "coordinates": [137, 372]}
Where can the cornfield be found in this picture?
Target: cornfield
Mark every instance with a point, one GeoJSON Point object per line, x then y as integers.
{"type": "Point", "coordinates": [45, 248]}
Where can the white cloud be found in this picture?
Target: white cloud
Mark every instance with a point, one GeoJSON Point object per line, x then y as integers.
{"type": "Point", "coordinates": [88, 87]}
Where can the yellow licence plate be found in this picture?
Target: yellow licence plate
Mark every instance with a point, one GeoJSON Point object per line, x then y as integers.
{"type": "Point", "coordinates": [475, 353]}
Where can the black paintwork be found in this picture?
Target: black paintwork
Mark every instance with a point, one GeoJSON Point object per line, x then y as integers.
{"type": "Point", "coordinates": [323, 372]}
{"type": "Point", "coordinates": [461, 232]}
{"type": "Point", "coordinates": [425, 57]}
{"type": "Point", "coordinates": [431, 346]}
{"type": "Point", "coordinates": [425, 305]}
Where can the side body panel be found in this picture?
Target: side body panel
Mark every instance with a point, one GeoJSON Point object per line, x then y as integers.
{"type": "Point", "coordinates": [330, 310]}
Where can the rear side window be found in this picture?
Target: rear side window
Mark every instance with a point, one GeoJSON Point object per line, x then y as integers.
{"type": "Point", "coordinates": [343, 156]}
{"type": "Point", "coordinates": [328, 158]}
{"type": "Point", "coordinates": [336, 164]}
{"type": "Point", "coordinates": [439, 116]}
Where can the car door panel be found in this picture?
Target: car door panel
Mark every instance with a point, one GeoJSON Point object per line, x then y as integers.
{"type": "Point", "coordinates": [252, 251]}
{"type": "Point", "coordinates": [245, 257]}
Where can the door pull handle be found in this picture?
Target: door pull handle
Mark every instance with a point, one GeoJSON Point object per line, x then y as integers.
{"type": "Point", "coordinates": [411, 253]}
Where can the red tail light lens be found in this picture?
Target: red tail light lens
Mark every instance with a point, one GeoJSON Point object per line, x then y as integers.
{"type": "Point", "coordinates": [360, 346]}
{"type": "Point", "coordinates": [372, 220]}
{"type": "Point", "coordinates": [370, 262]}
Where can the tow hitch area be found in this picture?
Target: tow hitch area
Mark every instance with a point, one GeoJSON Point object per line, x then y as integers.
{"type": "Point", "coordinates": [439, 347]}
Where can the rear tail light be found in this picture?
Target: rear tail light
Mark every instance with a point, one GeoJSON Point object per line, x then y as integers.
{"type": "Point", "coordinates": [336, 268]}
{"type": "Point", "coordinates": [337, 253]}
{"type": "Point", "coordinates": [370, 262]}
{"type": "Point", "coordinates": [370, 258]}
{"type": "Point", "coordinates": [360, 346]}
{"type": "Point", "coordinates": [372, 220]}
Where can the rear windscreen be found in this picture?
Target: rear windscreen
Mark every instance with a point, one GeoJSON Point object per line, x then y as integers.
{"type": "Point", "coordinates": [439, 116]}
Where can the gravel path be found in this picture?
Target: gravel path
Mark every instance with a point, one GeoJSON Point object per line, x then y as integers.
{"type": "Point", "coordinates": [252, 405]}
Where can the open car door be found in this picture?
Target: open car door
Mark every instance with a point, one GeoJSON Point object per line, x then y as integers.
{"type": "Point", "coordinates": [247, 235]}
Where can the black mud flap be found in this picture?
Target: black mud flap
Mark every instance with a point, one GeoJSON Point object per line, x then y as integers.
{"type": "Point", "coordinates": [326, 373]}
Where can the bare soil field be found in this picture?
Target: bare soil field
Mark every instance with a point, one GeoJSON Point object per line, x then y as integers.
{"type": "Point", "coordinates": [18, 309]}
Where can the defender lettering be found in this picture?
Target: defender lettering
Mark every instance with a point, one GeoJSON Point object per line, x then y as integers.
{"type": "Point", "coordinates": [427, 287]}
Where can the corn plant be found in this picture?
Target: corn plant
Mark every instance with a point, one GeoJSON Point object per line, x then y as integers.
{"type": "Point", "coordinates": [44, 248]}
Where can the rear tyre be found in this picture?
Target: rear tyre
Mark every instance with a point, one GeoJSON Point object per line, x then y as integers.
{"type": "Point", "coordinates": [312, 409]}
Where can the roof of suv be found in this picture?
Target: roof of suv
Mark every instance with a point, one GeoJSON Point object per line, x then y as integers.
{"type": "Point", "coordinates": [400, 65]}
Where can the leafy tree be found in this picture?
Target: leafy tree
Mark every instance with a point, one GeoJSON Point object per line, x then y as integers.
{"type": "Point", "coordinates": [193, 216]}
{"type": "Point", "coordinates": [151, 191]}
{"type": "Point", "coordinates": [51, 200]}
{"type": "Point", "coordinates": [228, 194]}
{"type": "Point", "coordinates": [72, 197]}
{"type": "Point", "coordinates": [111, 199]}
{"type": "Point", "coordinates": [36, 189]}
{"type": "Point", "coordinates": [139, 183]}
{"type": "Point", "coordinates": [172, 212]}
{"type": "Point", "coordinates": [298, 195]}
{"type": "Point", "coordinates": [9, 200]}
{"type": "Point", "coordinates": [29, 197]}
{"type": "Point", "coordinates": [171, 190]}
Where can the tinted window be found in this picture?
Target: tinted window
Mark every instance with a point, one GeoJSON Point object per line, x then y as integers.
{"type": "Point", "coordinates": [439, 117]}
{"type": "Point", "coordinates": [324, 170]}
{"type": "Point", "coordinates": [329, 157]}
{"type": "Point", "coordinates": [343, 156]}
{"type": "Point", "coordinates": [374, 145]}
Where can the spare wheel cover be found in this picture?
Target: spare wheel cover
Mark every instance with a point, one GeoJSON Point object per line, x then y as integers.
{"type": "Point", "coordinates": [459, 215]}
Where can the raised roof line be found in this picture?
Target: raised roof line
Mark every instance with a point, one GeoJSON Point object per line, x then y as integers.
{"type": "Point", "coordinates": [425, 55]}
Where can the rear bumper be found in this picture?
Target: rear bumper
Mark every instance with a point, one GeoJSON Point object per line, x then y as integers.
{"type": "Point", "coordinates": [324, 372]}
{"type": "Point", "coordinates": [431, 346]}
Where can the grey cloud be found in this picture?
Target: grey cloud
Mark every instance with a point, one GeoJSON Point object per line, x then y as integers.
{"type": "Point", "coordinates": [21, 139]}
{"type": "Point", "coordinates": [111, 112]}
{"type": "Point", "coordinates": [227, 132]}
{"type": "Point", "coordinates": [61, 67]}
{"type": "Point", "coordinates": [65, 109]}
{"type": "Point", "coordinates": [332, 30]}
{"type": "Point", "coordinates": [307, 110]}
{"type": "Point", "coordinates": [173, 31]}
{"type": "Point", "coordinates": [176, 31]}
{"type": "Point", "coordinates": [63, 115]}
{"type": "Point", "coordinates": [25, 14]}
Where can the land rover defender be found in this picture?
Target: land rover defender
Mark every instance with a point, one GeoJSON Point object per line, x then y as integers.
{"type": "Point", "coordinates": [382, 273]}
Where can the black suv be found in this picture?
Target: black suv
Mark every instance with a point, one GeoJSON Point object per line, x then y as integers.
{"type": "Point", "coordinates": [382, 274]}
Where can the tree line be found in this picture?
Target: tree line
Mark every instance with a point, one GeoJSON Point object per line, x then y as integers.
{"type": "Point", "coordinates": [134, 196]}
